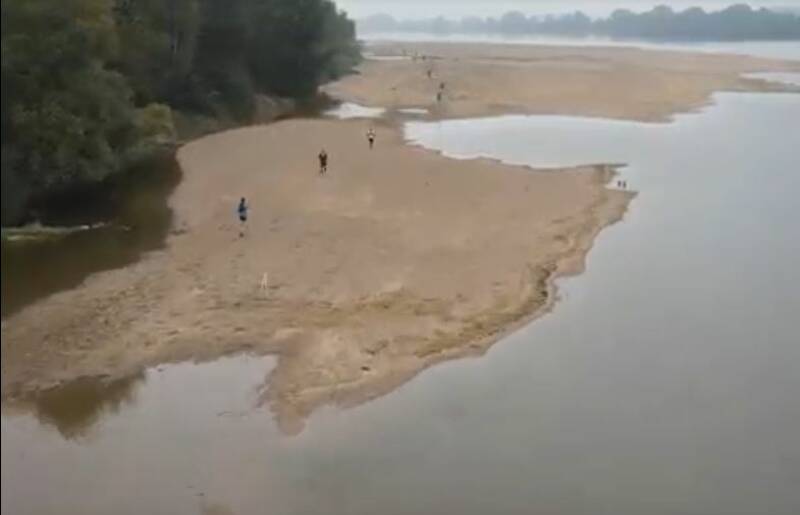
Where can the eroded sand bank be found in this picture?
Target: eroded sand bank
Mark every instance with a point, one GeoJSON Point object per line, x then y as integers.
{"type": "Point", "coordinates": [398, 259]}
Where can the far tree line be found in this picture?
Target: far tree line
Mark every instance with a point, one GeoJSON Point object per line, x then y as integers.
{"type": "Point", "coordinates": [735, 23]}
{"type": "Point", "coordinates": [91, 86]}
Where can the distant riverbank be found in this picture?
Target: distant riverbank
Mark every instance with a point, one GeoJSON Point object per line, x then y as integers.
{"type": "Point", "coordinates": [488, 79]}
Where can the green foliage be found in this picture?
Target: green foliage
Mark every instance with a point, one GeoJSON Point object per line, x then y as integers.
{"type": "Point", "coordinates": [220, 63]}
{"type": "Point", "coordinates": [309, 42]}
{"type": "Point", "coordinates": [155, 129]}
{"type": "Point", "coordinates": [156, 44]}
{"type": "Point", "coordinates": [88, 86]}
{"type": "Point", "coordinates": [734, 23]}
{"type": "Point", "coordinates": [65, 116]}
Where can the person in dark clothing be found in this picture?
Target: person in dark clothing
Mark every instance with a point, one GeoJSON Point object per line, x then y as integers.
{"type": "Point", "coordinates": [242, 211]}
{"type": "Point", "coordinates": [371, 137]}
{"type": "Point", "coordinates": [323, 162]}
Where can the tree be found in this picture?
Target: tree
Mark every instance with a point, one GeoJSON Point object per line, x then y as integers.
{"type": "Point", "coordinates": [66, 119]}
{"type": "Point", "coordinates": [89, 86]}
{"type": "Point", "coordinates": [157, 43]}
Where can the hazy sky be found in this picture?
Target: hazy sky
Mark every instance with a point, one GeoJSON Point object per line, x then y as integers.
{"type": "Point", "coordinates": [459, 8]}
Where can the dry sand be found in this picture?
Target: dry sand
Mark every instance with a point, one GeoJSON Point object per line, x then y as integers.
{"type": "Point", "coordinates": [399, 258]}
{"type": "Point", "coordinates": [488, 79]}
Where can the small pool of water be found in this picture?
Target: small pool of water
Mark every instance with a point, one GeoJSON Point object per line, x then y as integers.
{"type": "Point", "coordinates": [414, 111]}
{"type": "Point", "coordinates": [374, 57]}
{"type": "Point", "coordinates": [349, 110]}
{"type": "Point", "coordinates": [782, 77]}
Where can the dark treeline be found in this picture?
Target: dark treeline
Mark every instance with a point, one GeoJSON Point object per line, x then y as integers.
{"type": "Point", "coordinates": [91, 86]}
{"type": "Point", "coordinates": [736, 23]}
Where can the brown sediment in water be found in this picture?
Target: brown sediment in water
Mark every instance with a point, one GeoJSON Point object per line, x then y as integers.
{"type": "Point", "coordinates": [397, 259]}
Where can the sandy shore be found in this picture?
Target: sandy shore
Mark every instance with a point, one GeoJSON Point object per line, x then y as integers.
{"type": "Point", "coordinates": [489, 79]}
{"type": "Point", "coordinates": [398, 259]}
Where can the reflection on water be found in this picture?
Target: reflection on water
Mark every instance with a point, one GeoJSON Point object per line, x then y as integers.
{"type": "Point", "coordinates": [75, 407]}
{"type": "Point", "coordinates": [34, 269]}
{"type": "Point", "coordinates": [664, 382]}
{"type": "Point", "coordinates": [175, 440]}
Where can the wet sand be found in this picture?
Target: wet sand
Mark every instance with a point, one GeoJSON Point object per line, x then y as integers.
{"type": "Point", "coordinates": [489, 79]}
{"type": "Point", "coordinates": [398, 259]}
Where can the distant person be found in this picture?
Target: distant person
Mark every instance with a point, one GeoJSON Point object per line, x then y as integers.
{"type": "Point", "coordinates": [323, 162]}
{"type": "Point", "coordinates": [441, 86]}
{"type": "Point", "coordinates": [242, 211]}
{"type": "Point", "coordinates": [439, 96]}
{"type": "Point", "coordinates": [430, 73]}
{"type": "Point", "coordinates": [371, 137]}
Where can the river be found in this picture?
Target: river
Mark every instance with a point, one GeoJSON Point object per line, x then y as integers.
{"type": "Point", "coordinates": [665, 380]}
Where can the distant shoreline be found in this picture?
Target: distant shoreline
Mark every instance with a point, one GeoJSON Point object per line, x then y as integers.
{"type": "Point", "coordinates": [485, 79]}
{"type": "Point", "coordinates": [738, 22]}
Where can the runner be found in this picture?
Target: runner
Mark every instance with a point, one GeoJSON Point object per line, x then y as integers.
{"type": "Point", "coordinates": [242, 210]}
{"type": "Point", "coordinates": [323, 162]}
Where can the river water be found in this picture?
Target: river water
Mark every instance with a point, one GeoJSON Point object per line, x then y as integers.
{"type": "Point", "coordinates": [138, 220]}
{"type": "Point", "coordinates": [665, 381]}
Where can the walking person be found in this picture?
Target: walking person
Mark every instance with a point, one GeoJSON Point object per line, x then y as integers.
{"type": "Point", "coordinates": [323, 162]}
{"type": "Point", "coordinates": [371, 137]}
{"type": "Point", "coordinates": [242, 211]}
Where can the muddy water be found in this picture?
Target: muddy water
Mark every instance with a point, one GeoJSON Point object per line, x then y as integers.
{"type": "Point", "coordinates": [138, 220]}
{"type": "Point", "coordinates": [666, 380]}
